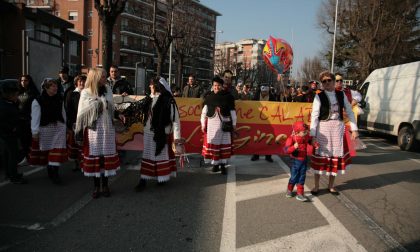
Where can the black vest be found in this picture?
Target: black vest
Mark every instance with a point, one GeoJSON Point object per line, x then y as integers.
{"type": "Point", "coordinates": [324, 111]}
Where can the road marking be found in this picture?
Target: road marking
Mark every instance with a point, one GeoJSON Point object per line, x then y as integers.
{"type": "Point", "coordinates": [337, 228]}
{"type": "Point", "coordinates": [415, 160]}
{"type": "Point", "coordinates": [392, 243]}
{"type": "Point", "coordinates": [228, 241]}
{"type": "Point", "coordinates": [35, 226]}
{"type": "Point", "coordinates": [261, 189]}
{"type": "Point", "coordinates": [37, 169]}
{"type": "Point", "coordinates": [390, 147]}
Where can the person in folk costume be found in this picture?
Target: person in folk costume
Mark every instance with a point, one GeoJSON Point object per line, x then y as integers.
{"type": "Point", "coordinates": [72, 105]}
{"type": "Point", "coordinates": [327, 127]}
{"type": "Point", "coordinates": [218, 106]}
{"type": "Point", "coordinates": [161, 128]}
{"type": "Point", "coordinates": [49, 130]}
{"type": "Point", "coordinates": [96, 133]}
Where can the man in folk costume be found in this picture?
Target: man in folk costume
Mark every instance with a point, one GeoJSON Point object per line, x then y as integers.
{"type": "Point", "coordinates": [48, 130]}
{"type": "Point", "coordinates": [327, 127]}
{"type": "Point", "coordinates": [218, 106]}
{"type": "Point", "coordinates": [161, 128]}
{"type": "Point", "coordinates": [96, 133]}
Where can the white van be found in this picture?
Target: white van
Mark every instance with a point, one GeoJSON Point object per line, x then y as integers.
{"type": "Point", "coordinates": [391, 102]}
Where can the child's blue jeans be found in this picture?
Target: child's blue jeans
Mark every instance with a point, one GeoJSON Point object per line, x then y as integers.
{"type": "Point", "coordinates": [298, 172]}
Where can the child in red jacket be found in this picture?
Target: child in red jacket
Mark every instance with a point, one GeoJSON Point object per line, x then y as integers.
{"type": "Point", "coordinates": [298, 145]}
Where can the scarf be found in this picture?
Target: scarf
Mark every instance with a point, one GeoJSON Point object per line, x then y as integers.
{"type": "Point", "coordinates": [91, 108]}
{"type": "Point", "coordinates": [161, 118]}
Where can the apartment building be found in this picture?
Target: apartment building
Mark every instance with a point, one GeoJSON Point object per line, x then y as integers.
{"type": "Point", "coordinates": [244, 54]}
{"type": "Point", "coordinates": [131, 42]}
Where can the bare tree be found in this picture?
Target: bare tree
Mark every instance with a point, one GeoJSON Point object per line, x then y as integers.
{"type": "Point", "coordinates": [372, 34]}
{"type": "Point", "coordinates": [310, 69]}
{"type": "Point", "coordinates": [186, 38]}
{"type": "Point", "coordinates": [108, 11]}
{"type": "Point", "coordinates": [161, 35]}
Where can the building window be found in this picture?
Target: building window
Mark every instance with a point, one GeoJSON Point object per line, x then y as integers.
{"type": "Point", "coordinates": [90, 32]}
{"type": "Point", "coordinates": [57, 13]}
{"type": "Point", "coordinates": [90, 52]}
{"type": "Point", "coordinates": [90, 13]}
{"type": "Point", "coordinates": [73, 15]}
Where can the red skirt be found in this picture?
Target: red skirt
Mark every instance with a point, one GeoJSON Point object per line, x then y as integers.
{"type": "Point", "coordinates": [73, 149]}
{"type": "Point", "coordinates": [95, 166]}
{"type": "Point", "coordinates": [38, 157]}
{"type": "Point", "coordinates": [332, 165]}
{"type": "Point", "coordinates": [160, 167]}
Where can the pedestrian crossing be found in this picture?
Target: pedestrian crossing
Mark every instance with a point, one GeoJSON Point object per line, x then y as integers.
{"type": "Point", "coordinates": [330, 235]}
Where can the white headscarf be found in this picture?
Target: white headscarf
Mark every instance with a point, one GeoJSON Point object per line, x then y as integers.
{"type": "Point", "coordinates": [165, 84]}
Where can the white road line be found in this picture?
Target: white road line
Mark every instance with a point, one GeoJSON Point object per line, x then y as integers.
{"type": "Point", "coordinates": [415, 160]}
{"type": "Point", "coordinates": [261, 189]}
{"type": "Point", "coordinates": [393, 244]}
{"type": "Point", "coordinates": [37, 169]}
{"type": "Point", "coordinates": [228, 241]}
{"type": "Point", "coordinates": [325, 241]}
{"type": "Point", "coordinates": [35, 226]}
{"type": "Point", "coordinates": [338, 229]}
{"type": "Point", "coordinates": [390, 147]}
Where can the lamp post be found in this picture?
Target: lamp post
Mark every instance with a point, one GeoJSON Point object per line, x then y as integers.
{"type": "Point", "coordinates": [170, 46]}
{"type": "Point", "coordinates": [335, 30]}
{"type": "Point", "coordinates": [216, 41]}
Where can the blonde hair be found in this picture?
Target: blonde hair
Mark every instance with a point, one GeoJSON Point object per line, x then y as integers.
{"type": "Point", "coordinates": [92, 80]}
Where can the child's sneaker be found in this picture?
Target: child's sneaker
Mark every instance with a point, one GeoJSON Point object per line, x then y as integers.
{"type": "Point", "coordinates": [301, 198]}
{"type": "Point", "coordinates": [289, 194]}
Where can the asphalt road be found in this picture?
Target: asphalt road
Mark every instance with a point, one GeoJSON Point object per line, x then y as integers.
{"type": "Point", "coordinates": [246, 210]}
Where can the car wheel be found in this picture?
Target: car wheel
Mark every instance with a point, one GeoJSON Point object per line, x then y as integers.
{"type": "Point", "coordinates": [406, 139]}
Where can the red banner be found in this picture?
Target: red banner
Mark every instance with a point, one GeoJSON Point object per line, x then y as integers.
{"type": "Point", "coordinates": [259, 123]}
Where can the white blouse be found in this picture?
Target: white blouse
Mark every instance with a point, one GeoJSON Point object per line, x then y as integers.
{"type": "Point", "coordinates": [316, 106]}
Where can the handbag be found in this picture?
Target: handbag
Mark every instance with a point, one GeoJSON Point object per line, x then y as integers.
{"type": "Point", "coordinates": [227, 126]}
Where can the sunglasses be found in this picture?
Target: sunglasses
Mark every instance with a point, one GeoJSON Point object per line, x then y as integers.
{"type": "Point", "coordinates": [326, 80]}
{"type": "Point", "coordinates": [338, 80]}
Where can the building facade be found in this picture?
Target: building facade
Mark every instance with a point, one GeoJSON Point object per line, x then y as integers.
{"type": "Point", "coordinates": [131, 36]}
{"type": "Point", "coordinates": [245, 54]}
{"type": "Point", "coordinates": [32, 41]}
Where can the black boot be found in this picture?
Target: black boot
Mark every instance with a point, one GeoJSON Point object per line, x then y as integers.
{"type": "Point", "coordinates": [215, 168]}
{"type": "Point", "coordinates": [50, 171]}
{"type": "Point", "coordinates": [105, 189]}
{"type": "Point", "coordinates": [55, 178]}
{"type": "Point", "coordinates": [97, 191]}
{"type": "Point", "coordinates": [141, 186]}
{"type": "Point", "coordinates": [223, 169]}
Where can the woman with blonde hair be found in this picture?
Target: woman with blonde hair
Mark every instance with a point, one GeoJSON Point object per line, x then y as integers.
{"type": "Point", "coordinates": [95, 129]}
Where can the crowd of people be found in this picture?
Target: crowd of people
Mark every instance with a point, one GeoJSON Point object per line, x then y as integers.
{"type": "Point", "coordinates": [73, 118]}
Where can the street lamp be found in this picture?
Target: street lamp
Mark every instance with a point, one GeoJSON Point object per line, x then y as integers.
{"type": "Point", "coordinates": [140, 76]}
{"type": "Point", "coordinates": [335, 30]}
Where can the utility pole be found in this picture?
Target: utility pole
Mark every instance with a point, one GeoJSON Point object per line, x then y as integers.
{"type": "Point", "coordinates": [335, 30]}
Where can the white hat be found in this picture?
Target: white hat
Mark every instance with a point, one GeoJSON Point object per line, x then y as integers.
{"type": "Point", "coordinates": [165, 84]}
{"type": "Point", "coordinates": [264, 89]}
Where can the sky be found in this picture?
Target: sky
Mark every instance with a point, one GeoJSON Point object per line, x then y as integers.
{"type": "Point", "coordinates": [292, 20]}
